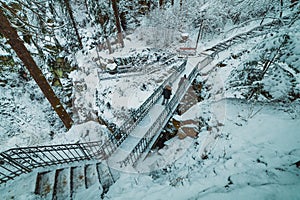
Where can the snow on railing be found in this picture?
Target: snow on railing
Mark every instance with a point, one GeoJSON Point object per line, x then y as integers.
{"type": "Point", "coordinates": [17, 161]}
{"type": "Point", "coordinates": [124, 130]}
{"type": "Point", "coordinates": [116, 139]}
{"type": "Point", "coordinates": [258, 30]}
{"type": "Point", "coordinates": [143, 144]}
{"type": "Point", "coordinates": [138, 114]}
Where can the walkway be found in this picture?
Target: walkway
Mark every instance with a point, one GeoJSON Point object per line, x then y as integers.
{"type": "Point", "coordinates": [132, 147]}
{"type": "Point", "coordinates": [127, 144]}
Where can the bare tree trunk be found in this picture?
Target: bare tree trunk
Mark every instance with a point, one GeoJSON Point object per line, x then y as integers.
{"type": "Point", "coordinates": [172, 2]}
{"type": "Point", "coordinates": [108, 45]}
{"type": "Point", "coordinates": [18, 45]}
{"type": "Point", "coordinates": [52, 10]}
{"type": "Point", "coordinates": [293, 3]}
{"type": "Point", "coordinates": [281, 7]}
{"type": "Point", "coordinates": [149, 5]}
{"type": "Point", "coordinates": [87, 8]}
{"type": "Point", "coordinates": [161, 3]}
{"type": "Point", "coordinates": [69, 9]}
{"type": "Point", "coordinates": [180, 3]}
{"type": "Point", "coordinates": [118, 25]}
{"type": "Point", "coordinates": [199, 34]}
{"type": "Point", "coordinates": [265, 14]}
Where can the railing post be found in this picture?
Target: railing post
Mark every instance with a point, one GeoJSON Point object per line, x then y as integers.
{"type": "Point", "coordinates": [83, 151]}
{"type": "Point", "coordinates": [104, 154]}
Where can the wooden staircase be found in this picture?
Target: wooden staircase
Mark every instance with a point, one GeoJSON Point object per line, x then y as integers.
{"type": "Point", "coordinates": [89, 181]}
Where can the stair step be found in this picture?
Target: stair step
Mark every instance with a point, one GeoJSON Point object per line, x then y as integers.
{"type": "Point", "coordinates": [62, 184]}
{"type": "Point", "coordinates": [91, 177]}
{"type": "Point", "coordinates": [105, 176]}
{"type": "Point", "coordinates": [78, 183]}
{"type": "Point", "coordinates": [77, 179]}
{"type": "Point", "coordinates": [45, 184]}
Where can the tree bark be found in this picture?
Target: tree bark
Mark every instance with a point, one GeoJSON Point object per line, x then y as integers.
{"type": "Point", "coordinates": [180, 3]}
{"type": "Point", "coordinates": [161, 3]}
{"type": "Point", "coordinates": [69, 9]}
{"type": "Point", "coordinates": [199, 34]}
{"type": "Point", "coordinates": [281, 7]}
{"type": "Point", "coordinates": [149, 5]}
{"type": "Point", "coordinates": [118, 25]}
{"type": "Point", "coordinates": [18, 45]}
{"type": "Point", "coordinates": [293, 3]}
{"type": "Point", "coordinates": [109, 46]}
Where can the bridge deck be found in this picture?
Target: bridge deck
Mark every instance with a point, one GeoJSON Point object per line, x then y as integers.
{"type": "Point", "coordinates": [145, 124]}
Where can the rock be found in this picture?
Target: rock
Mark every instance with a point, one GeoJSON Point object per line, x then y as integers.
{"type": "Point", "coordinates": [184, 37]}
{"type": "Point", "coordinates": [190, 131]}
{"type": "Point", "coordinates": [297, 164]}
{"type": "Point", "coordinates": [181, 134]}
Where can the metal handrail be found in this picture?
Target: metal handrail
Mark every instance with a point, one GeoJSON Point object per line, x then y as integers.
{"type": "Point", "coordinates": [112, 143]}
{"type": "Point", "coordinates": [139, 113]}
{"type": "Point", "coordinates": [245, 35]}
{"type": "Point", "coordinates": [137, 151]}
{"type": "Point", "coordinates": [17, 161]}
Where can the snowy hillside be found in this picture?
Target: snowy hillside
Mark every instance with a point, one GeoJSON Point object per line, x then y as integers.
{"type": "Point", "coordinates": [251, 157]}
{"type": "Point", "coordinates": [247, 112]}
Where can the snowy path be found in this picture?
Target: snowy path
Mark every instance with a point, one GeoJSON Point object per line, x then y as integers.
{"type": "Point", "coordinates": [146, 123]}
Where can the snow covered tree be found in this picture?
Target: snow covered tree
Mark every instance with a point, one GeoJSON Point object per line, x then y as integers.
{"type": "Point", "coordinates": [161, 3]}
{"type": "Point", "coordinates": [70, 11]}
{"type": "Point", "coordinates": [16, 43]}
{"type": "Point", "coordinates": [118, 25]}
{"type": "Point", "coordinates": [271, 69]}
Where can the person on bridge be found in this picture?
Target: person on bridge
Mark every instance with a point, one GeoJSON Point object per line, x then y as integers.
{"type": "Point", "coordinates": [167, 92]}
{"type": "Point", "coordinates": [182, 80]}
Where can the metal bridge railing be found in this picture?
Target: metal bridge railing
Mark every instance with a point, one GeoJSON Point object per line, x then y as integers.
{"type": "Point", "coordinates": [17, 161]}
{"type": "Point", "coordinates": [58, 154]}
{"type": "Point", "coordinates": [143, 144]}
{"type": "Point", "coordinates": [116, 139]}
{"type": "Point", "coordinates": [138, 114]}
{"type": "Point", "coordinates": [253, 32]}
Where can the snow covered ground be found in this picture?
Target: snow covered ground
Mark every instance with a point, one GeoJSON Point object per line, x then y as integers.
{"type": "Point", "coordinates": [247, 150]}
{"type": "Point", "coordinates": [250, 157]}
